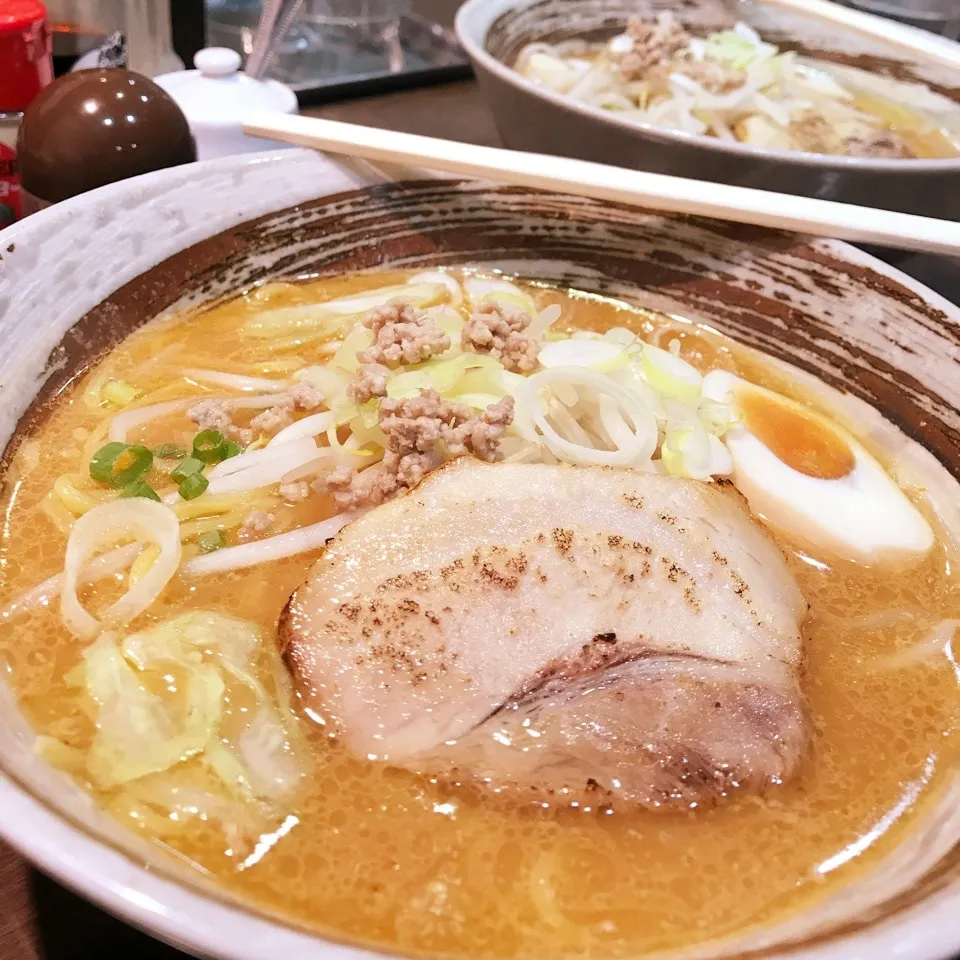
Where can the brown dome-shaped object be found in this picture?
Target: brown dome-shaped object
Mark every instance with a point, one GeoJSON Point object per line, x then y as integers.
{"type": "Point", "coordinates": [95, 127]}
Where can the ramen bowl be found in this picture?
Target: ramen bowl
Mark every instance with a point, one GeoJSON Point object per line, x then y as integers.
{"type": "Point", "coordinates": [533, 117]}
{"type": "Point", "coordinates": [97, 267]}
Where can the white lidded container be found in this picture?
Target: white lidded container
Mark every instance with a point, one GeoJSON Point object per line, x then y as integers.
{"type": "Point", "coordinates": [217, 98]}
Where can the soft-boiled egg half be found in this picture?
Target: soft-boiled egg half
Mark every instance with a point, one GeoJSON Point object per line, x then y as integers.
{"type": "Point", "coordinates": [805, 475]}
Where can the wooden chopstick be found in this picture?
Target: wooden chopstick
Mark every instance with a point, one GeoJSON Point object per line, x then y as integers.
{"type": "Point", "coordinates": [921, 45]}
{"type": "Point", "coordinates": [653, 191]}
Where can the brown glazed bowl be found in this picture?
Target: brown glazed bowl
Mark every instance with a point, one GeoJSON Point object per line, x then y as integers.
{"type": "Point", "coordinates": [77, 277]}
{"type": "Point", "coordinates": [530, 117]}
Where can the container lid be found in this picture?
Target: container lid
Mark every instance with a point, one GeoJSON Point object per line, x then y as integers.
{"type": "Point", "coordinates": [25, 63]}
{"type": "Point", "coordinates": [217, 93]}
{"type": "Point", "coordinates": [17, 15]}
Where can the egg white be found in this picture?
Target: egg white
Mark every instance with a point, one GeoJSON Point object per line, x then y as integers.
{"type": "Point", "coordinates": [863, 516]}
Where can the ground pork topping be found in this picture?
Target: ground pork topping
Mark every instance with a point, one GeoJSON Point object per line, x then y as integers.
{"type": "Point", "coordinates": [370, 382]}
{"type": "Point", "coordinates": [713, 76]}
{"type": "Point", "coordinates": [257, 522]}
{"type": "Point", "coordinates": [274, 418]}
{"type": "Point", "coordinates": [495, 330]}
{"type": "Point", "coordinates": [882, 144]}
{"type": "Point", "coordinates": [295, 492]}
{"type": "Point", "coordinates": [653, 44]}
{"type": "Point", "coordinates": [421, 433]}
{"type": "Point", "coordinates": [371, 487]}
{"type": "Point", "coordinates": [213, 414]}
{"type": "Point", "coordinates": [481, 435]}
{"type": "Point", "coordinates": [301, 396]}
{"type": "Point", "coordinates": [402, 334]}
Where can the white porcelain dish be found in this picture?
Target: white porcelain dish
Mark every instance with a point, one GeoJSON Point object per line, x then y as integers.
{"type": "Point", "coordinates": [216, 98]}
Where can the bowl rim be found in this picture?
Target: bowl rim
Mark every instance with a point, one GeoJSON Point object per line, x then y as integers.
{"type": "Point", "coordinates": [211, 923]}
{"type": "Point", "coordinates": [473, 38]}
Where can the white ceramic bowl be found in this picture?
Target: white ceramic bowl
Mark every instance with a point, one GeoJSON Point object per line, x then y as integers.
{"type": "Point", "coordinates": [890, 341]}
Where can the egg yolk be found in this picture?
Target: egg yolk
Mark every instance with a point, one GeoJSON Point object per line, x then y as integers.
{"type": "Point", "coordinates": [794, 435]}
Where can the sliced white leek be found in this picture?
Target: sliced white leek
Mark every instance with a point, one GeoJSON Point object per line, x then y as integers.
{"type": "Point", "coordinates": [669, 374]}
{"type": "Point", "coordinates": [599, 355]}
{"type": "Point", "coordinates": [131, 519]}
{"type": "Point", "coordinates": [499, 291]}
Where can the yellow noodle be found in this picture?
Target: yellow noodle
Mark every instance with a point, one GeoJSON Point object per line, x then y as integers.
{"type": "Point", "coordinates": [281, 344]}
{"type": "Point", "coordinates": [190, 529]}
{"type": "Point", "coordinates": [59, 515]}
{"type": "Point", "coordinates": [214, 505]}
{"type": "Point", "coordinates": [78, 502]}
{"type": "Point", "coordinates": [28, 457]}
{"type": "Point", "coordinates": [141, 566]}
{"type": "Point", "coordinates": [96, 439]}
{"type": "Point", "coordinates": [171, 391]}
{"type": "Point", "coordinates": [257, 444]}
{"type": "Point", "coordinates": [124, 808]}
{"type": "Point", "coordinates": [291, 293]}
{"type": "Point", "coordinates": [258, 368]}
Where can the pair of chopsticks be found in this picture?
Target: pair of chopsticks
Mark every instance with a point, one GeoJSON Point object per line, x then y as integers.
{"type": "Point", "coordinates": [653, 191]}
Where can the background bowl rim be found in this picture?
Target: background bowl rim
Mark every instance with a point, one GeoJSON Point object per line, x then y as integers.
{"type": "Point", "coordinates": [473, 38]}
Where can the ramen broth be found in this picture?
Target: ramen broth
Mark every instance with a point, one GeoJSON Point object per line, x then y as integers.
{"type": "Point", "coordinates": [375, 855]}
{"type": "Point", "coordinates": [924, 139]}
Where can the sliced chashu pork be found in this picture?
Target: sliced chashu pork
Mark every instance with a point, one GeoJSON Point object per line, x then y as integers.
{"type": "Point", "coordinates": [583, 636]}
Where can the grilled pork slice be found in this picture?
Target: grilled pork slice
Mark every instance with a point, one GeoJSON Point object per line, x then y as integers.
{"type": "Point", "coordinates": [584, 636]}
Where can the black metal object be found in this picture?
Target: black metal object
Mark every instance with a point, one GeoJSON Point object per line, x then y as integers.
{"type": "Point", "coordinates": [431, 56]}
{"type": "Point", "coordinates": [188, 19]}
{"type": "Point", "coordinates": [334, 61]}
{"type": "Point", "coordinates": [373, 84]}
{"type": "Point", "coordinates": [947, 25]}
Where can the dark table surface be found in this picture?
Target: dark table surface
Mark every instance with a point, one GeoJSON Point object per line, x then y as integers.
{"type": "Point", "coordinates": [38, 918]}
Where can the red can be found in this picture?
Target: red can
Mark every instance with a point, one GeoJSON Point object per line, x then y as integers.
{"type": "Point", "coordinates": [26, 67]}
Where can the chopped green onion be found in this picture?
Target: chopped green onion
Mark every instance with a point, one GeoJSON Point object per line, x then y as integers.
{"type": "Point", "coordinates": [119, 392]}
{"type": "Point", "coordinates": [231, 449]}
{"type": "Point", "coordinates": [208, 446]}
{"type": "Point", "coordinates": [119, 464]}
{"type": "Point", "coordinates": [187, 467]}
{"type": "Point", "coordinates": [210, 541]}
{"type": "Point", "coordinates": [169, 451]}
{"type": "Point", "coordinates": [193, 486]}
{"type": "Point", "coordinates": [140, 488]}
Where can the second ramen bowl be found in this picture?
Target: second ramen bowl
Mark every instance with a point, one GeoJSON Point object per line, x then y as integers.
{"type": "Point", "coordinates": [531, 117]}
